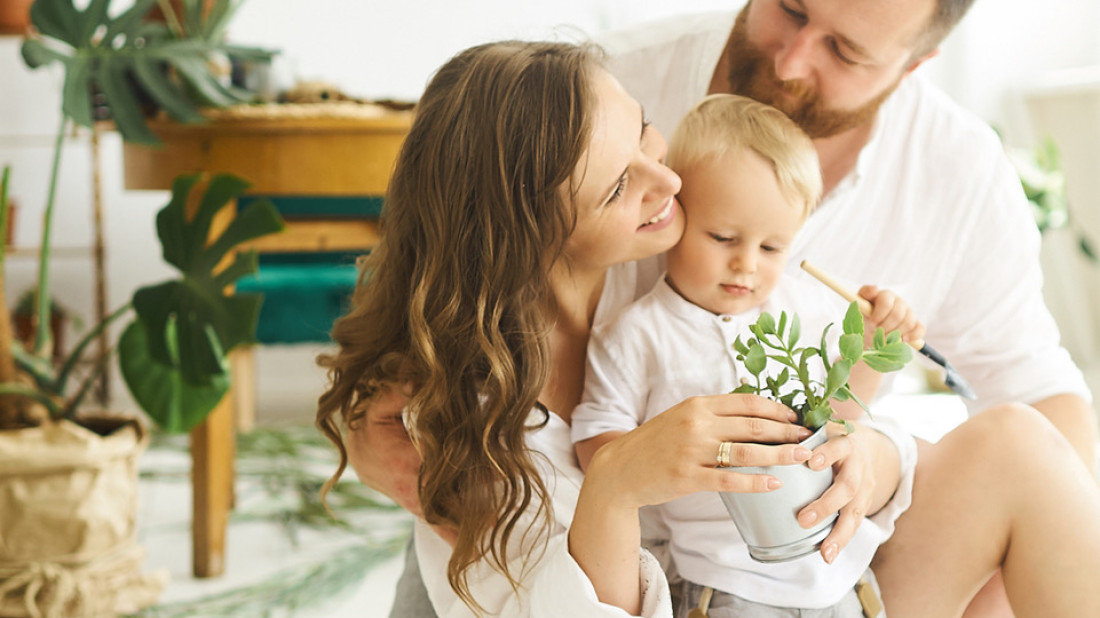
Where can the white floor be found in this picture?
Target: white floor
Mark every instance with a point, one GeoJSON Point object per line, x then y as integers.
{"type": "Point", "coordinates": [261, 551]}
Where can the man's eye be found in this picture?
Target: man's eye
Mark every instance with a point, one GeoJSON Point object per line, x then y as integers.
{"type": "Point", "coordinates": [840, 55]}
{"type": "Point", "coordinates": [793, 13]}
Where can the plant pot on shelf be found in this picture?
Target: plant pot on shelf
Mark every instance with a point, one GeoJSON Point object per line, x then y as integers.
{"type": "Point", "coordinates": [769, 521]}
{"type": "Point", "coordinates": [68, 506]}
{"type": "Point", "coordinates": [15, 16]}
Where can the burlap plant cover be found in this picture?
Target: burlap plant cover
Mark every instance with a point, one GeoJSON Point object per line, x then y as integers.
{"type": "Point", "coordinates": [68, 501]}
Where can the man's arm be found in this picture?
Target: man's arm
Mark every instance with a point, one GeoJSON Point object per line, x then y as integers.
{"type": "Point", "coordinates": [1076, 420]}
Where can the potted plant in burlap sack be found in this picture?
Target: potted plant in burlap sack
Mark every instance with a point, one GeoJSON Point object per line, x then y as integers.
{"type": "Point", "coordinates": [806, 381]}
{"type": "Point", "coordinates": [68, 477]}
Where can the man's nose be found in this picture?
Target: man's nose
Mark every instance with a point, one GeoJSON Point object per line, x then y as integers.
{"type": "Point", "coordinates": [794, 60]}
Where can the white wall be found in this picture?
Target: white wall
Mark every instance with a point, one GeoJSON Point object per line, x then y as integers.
{"type": "Point", "coordinates": [376, 49]}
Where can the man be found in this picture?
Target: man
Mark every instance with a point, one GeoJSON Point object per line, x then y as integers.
{"type": "Point", "coordinates": [919, 195]}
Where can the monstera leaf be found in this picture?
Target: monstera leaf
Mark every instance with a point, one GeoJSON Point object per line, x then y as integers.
{"type": "Point", "coordinates": [173, 355]}
{"type": "Point", "coordinates": [124, 57]}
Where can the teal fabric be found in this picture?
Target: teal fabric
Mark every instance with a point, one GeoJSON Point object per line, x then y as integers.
{"type": "Point", "coordinates": [301, 300]}
{"type": "Point", "coordinates": [312, 206]}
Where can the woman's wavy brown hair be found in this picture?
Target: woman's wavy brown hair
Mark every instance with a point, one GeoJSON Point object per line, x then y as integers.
{"type": "Point", "coordinates": [456, 298]}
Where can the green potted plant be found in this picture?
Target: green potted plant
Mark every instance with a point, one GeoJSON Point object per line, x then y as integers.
{"type": "Point", "coordinates": [68, 478]}
{"type": "Point", "coordinates": [804, 379]}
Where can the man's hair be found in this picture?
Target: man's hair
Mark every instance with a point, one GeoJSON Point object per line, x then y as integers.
{"type": "Point", "coordinates": [723, 124]}
{"type": "Point", "coordinates": [947, 15]}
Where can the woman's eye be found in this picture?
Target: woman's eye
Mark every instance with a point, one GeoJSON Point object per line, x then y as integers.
{"type": "Point", "coordinates": [722, 239]}
{"type": "Point", "coordinates": [619, 189]}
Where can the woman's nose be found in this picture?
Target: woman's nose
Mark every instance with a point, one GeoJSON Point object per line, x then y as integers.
{"type": "Point", "coordinates": [664, 181]}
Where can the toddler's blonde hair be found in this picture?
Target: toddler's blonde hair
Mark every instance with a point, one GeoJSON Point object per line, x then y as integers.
{"type": "Point", "coordinates": [722, 124]}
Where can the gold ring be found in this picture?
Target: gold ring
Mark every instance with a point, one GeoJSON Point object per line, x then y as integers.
{"type": "Point", "coordinates": [724, 454]}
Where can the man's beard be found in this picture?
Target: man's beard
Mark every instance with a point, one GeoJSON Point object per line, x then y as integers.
{"type": "Point", "coordinates": [751, 74]}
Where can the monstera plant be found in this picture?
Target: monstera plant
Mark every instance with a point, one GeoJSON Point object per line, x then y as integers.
{"type": "Point", "coordinates": [68, 477]}
{"type": "Point", "coordinates": [183, 327]}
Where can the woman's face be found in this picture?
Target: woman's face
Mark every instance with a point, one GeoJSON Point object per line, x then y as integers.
{"type": "Point", "coordinates": [626, 204]}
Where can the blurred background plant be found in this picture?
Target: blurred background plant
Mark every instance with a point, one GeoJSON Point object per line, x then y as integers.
{"type": "Point", "coordinates": [1044, 181]}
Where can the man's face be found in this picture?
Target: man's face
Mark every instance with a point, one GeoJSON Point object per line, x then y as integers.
{"type": "Point", "coordinates": [828, 64]}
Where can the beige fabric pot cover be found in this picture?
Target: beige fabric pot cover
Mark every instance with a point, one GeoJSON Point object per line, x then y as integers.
{"type": "Point", "coordinates": [68, 501]}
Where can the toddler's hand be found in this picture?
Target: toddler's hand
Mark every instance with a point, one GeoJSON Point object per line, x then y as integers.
{"type": "Point", "coordinates": [891, 313]}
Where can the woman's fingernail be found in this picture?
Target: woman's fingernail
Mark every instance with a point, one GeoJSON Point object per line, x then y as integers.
{"type": "Point", "coordinates": [807, 517]}
{"type": "Point", "coordinates": [817, 462]}
{"type": "Point", "coordinates": [829, 552]}
{"type": "Point", "coordinates": [774, 483]}
{"type": "Point", "coordinates": [791, 416]}
{"type": "Point", "coordinates": [801, 453]}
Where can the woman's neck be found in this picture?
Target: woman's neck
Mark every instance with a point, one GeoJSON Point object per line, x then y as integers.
{"type": "Point", "coordinates": [576, 298]}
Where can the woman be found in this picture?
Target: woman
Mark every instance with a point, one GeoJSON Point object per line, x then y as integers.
{"type": "Point", "coordinates": [527, 204]}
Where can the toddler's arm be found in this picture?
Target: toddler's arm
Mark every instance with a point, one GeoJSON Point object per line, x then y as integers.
{"type": "Point", "coordinates": [587, 448]}
{"type": "Point", "coordinates": [889, 312]}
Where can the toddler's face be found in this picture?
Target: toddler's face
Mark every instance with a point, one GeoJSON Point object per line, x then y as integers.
{"type": "Point", "coordinates": [739, 229]}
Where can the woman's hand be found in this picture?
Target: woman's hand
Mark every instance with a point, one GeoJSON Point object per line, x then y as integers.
{"type": "Point", "coordinates": [380, 451]}
{"type": "Point", "coordinates": [867, 471]}
{"type": "Point", "coordinates": [675, 453]}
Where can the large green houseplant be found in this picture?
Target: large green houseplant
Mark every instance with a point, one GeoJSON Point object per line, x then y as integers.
{"type": "Point", "coordinates": [68, 478]}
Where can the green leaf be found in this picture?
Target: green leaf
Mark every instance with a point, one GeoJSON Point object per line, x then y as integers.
{"type": "Point", "coordinates": [850, 395]}
{"type": "Point", "coordinates": [853, 320]}
{"type": "Point", "coordinates": [796, 331]}
{"type": "Point", "coordinates": [837, 377]}
{"type": "Point", "coordinates": [90, 20]}
{"type": "Point", "coordinates": [766, 323]}
{"type": "Point", "coordinates": [745, 388]}
{"type": "Point", "coordinates": [58, 19]}
{"type": "Point", "coordinates": [260, 218]}
{"type": "Point", "coordinates": [244, 263]}
{"type": "Point", "coordinates": [782, 324]}
{"type": "Point", "coordinates": [783, 378]}
{"type": "Point", "coordinates": [756, 360]}
{"type": "Point", "coordinates": [880, 338]}
{"type": "Point", "coordinates": [893, 337]}
{"type": "Point", "coordinates": [36, 54]}
{"type": "Point", "coordinates": [152, 77]}
{"type": "Point", "coordinates": [784, 360]}
{"type": "Point", "coordinates": [740, 346]}
{"type": "Point", "coordinates": [206, 85]}
{"type": "Point", "coordinates": [76, 94]}
{"type": "Point", "coordinates": [222, 189]}
{"type": "Point", "coordinates": [160, 390]}
{"type": "Point", "coordinates": [818, 416]}
{"type": "Point", "coordinates": [851, 347]}
{"type": "Point", "coordinates": [120, 98]}
{"type": "Point", "coordinates": [129, 21]}
{"type": "Point", "coordinates": [891, 357]}
{"type": "Point", "coordinates": [172, 225]}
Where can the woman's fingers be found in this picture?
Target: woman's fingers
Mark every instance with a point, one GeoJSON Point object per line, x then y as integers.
{"type": "Point", "coordinates": [740, 482]}
{"type": "Point", "coordinates": [747, 406]}
{"type": "Point", "coordinates": [747, 454]}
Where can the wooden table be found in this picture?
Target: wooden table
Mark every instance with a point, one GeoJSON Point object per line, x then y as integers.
{"type": "Point", "coordinates": [296, 150]}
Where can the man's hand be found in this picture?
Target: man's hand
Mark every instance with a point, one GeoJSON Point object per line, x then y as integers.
{"type": "Point", "coordinates": [380, 451]}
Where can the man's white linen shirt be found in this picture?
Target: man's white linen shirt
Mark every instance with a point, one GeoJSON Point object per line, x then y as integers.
{"type": "Point", "coordinates": [662, 350]}
{"type": "Point", "coordinates": [933, 211]}
{"type": "Point", "coordinates": [553, 584]}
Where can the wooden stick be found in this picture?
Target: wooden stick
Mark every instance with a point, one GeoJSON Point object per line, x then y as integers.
{"type": "Point", "coordinates": [864, 305]}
